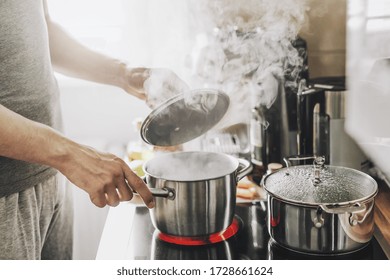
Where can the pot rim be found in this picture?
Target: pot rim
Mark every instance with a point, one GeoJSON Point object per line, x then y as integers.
{"type": "Point", "coordinates": [228, 157]}
{"type": "Point", "coordinates": [184, 181]}
{"type": "Point", "coordinates": [317, 204]}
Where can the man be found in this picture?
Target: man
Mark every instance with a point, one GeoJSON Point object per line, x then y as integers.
{"type": "Point", "coordinates": [35, 214]}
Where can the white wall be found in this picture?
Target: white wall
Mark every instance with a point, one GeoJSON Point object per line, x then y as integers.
{"type": "Point", "coordinates": [98, 112]}
{"type": "Point", "coordinates": [368, 68]}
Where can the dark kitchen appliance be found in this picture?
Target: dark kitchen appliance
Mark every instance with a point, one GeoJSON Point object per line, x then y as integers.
{"type": "Point", "coordinates": [274, 129]}
{"type": "Point", "coordinates": [251, 242]}
{"type": "Point", "coordinates": [321, 121]}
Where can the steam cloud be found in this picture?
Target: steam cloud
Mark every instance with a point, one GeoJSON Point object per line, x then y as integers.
{"type": "Point", "coordinates": [162, 85]}
{"type": "Point", "coordinates": [245, 49]}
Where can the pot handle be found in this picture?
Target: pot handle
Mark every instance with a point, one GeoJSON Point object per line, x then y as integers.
{"type": "Point", "coordinates": [318, 164]}
{"type": "Point", "coordinates": [352, 210]}
{"type": "Point", "coordinates": [244, 168]}
{"type": "Point", "coordinates": [355, 208]}
{"type": "Point", "coordinates": [288, 159]}
{"type": "Point", "coordinates": [355, 220]}
{"type": "Point", "coordinates": [166, 192]}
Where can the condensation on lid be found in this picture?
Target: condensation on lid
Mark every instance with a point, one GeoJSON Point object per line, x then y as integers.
{"type": "Point", "coordinates": [337, 185]}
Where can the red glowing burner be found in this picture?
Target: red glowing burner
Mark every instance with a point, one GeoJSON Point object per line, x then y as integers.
{"type": "Point", "coordinates": [202, 240]}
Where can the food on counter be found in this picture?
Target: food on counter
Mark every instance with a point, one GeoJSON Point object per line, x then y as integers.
{"type": "Point", "coordinates": [247, 189]}
{"type": "Point", "coordinates": [137, 167]}
{"type": "Point", "coordinates": [134, 155]}
{"type": "Point", "coordinates": [139, 155]}
{"type": "Point", "coordinates": [138, 151]}
{"type": "Point", "coordinates": [246, 193]}
{"type": "Point", "coordinates": [168, 149]}
{"type": "Point", "coordinates": [273, 167]}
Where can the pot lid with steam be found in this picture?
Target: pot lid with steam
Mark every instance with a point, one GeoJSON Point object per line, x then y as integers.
{"type": "Point", "coordinates": [184, 117]}
{"type": "Point", "coordinates": [320, 185]}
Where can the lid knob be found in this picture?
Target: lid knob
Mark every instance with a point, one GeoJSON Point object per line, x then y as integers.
{"type": "Point", "coordinates": [318, 164]}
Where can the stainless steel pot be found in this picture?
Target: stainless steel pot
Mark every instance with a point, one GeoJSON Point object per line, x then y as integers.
{"type": "Point", "coordinates": [195, 191]}
{"type": "Point", "coordinates": [326, 210]}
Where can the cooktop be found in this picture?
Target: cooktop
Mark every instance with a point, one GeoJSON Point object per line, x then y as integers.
{"type": "Point", "coordinates": [251, 241]}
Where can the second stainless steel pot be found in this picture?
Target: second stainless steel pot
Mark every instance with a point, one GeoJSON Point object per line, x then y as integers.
{"type": "Point", "coordinates": [329, 214]}
{"type": "Point", "coordinates": [196, 191]}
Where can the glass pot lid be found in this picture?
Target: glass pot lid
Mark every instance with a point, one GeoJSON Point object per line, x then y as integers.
{"type": "Point", "coordinates": [184, 117]}
{"type": "Point", "coordinates": [331, 185]}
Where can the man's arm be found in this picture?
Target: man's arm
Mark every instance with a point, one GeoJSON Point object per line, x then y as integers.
{"type": "Point", "coordinates": [105, 177]}
{"type": "Point", "coordinates": [73, 59]}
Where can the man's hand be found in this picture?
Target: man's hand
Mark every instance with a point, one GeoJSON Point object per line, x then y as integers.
{"type": "Point", "coordinates": [106, 178]}
{"type": "Point", "coordinates": [152, 85]}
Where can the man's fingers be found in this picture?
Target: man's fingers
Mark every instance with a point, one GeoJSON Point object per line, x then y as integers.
{"type": "Point", "coordinates": [99, 199]}
{"type": "Point", "coordinates": [112, 196]}
{"type": "Point", "coordinates": [137, 184]}
{"type": "Point", "coordinates": [125, 193]}
{"type": "Point", "coordinates": [139, 94]}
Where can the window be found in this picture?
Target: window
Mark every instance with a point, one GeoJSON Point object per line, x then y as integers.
{"type": "Point", "coordinates": [97, 24]}
{"type": "Point", "coordinates": [152, 33]}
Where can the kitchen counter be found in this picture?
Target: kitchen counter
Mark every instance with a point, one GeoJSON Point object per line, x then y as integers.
{"type": "Point", "coordinates": [382, 217]}
{"type": "Point", "coordinates": [119, 224]}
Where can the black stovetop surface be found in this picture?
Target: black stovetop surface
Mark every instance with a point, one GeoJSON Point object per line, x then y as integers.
{"type": "Point", "coordinates": [252, 242]}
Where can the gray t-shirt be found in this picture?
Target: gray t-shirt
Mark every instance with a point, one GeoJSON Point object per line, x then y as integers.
{"type": "Point", "coordinates": [27, 83]}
